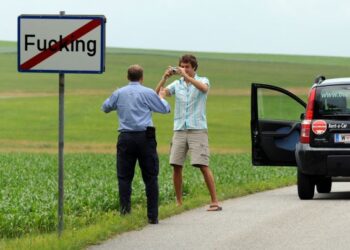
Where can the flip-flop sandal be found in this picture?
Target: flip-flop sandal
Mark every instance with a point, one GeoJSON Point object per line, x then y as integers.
{"type": "Point", "coordinates": [214, 208]}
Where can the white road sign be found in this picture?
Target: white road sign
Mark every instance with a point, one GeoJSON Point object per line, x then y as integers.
{"type": "Point", "coordinates": [64, 44]}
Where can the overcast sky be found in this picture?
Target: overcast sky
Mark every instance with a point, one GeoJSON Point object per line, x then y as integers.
{"type": "Point", "coordinates": [311, 27]}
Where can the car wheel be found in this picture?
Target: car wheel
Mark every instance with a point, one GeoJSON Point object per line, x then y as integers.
{"type": "Point", "coordinates": [306, 186]}
{"type": "Point", "coordinates": [324, 186]}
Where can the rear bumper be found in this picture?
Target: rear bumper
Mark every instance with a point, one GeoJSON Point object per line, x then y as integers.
{"type": "Point", "coordinates": [323, 161]}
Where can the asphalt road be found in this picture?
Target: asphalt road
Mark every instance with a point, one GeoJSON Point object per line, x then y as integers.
{"type": "Point", "coordinates": [274, 219]}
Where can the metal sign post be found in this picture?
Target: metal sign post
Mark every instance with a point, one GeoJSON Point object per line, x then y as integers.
{"type": "Point", "coordinates": [61, 44]}
{"type": "Point", "coordinates": [60, 150]}
{"type": "Point", "coordinates": [60, 153]}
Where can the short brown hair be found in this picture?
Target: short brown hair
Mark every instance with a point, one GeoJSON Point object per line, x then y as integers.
{"type": "Point", "coordinates": [135, 73]}
{"type": "Point", "coordinates": [188, 58]}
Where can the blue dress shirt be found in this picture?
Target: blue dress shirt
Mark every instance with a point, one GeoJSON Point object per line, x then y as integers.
{"type": "Point", "coordinates": [134, 104]}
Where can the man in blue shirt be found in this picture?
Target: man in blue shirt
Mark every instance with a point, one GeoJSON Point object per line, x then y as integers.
{"type": "Point", "coordinates": [134, 104]}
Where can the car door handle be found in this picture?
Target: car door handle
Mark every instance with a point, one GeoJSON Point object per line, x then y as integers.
{"type": "Point", "coordinates": [283, 134]}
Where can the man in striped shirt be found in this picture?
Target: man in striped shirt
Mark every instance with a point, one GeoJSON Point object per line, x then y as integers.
{"type": "Point", "coordinates": [190, 124]}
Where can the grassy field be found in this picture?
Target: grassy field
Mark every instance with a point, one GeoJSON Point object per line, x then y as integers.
{"type": "Point", "coordinates": [30, 206]}
{"type": "Point", "coordinates": [33, 97]}
{"type": "Point", "coordinates": [29, 193]}
{"type": "Point", "coordinates": [28, 141]}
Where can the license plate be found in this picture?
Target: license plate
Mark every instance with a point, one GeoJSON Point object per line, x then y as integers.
{"type": "Point", "coordinates": [342, 138]}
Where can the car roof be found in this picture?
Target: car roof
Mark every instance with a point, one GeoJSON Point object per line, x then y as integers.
{"type": "Point", "coordinates": [335, 81]}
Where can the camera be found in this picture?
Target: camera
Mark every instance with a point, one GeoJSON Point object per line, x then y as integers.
{"type": "Point", "coordinates": [173, 70]}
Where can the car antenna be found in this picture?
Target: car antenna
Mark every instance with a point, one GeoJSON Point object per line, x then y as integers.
{"type": "Point", "coordinates": [319, 79]}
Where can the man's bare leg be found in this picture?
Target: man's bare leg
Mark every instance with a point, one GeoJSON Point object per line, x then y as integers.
{"type": "Point", "coordinates": [177, 179]}
{"type": "Point", "coordinates": [209, 180]}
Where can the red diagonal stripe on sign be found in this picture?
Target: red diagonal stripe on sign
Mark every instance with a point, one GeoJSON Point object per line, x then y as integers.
{"type": "Point", "coordinates": [65, 42]}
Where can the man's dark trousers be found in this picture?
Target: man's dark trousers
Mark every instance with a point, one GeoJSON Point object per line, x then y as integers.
{"type": "Point", "coordinates": [141, 146]}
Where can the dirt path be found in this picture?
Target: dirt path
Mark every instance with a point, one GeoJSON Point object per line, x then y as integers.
{"type": "Point", "coordinates": [101, 148]}
{"type": "Point", "coordinates": [103, 92]}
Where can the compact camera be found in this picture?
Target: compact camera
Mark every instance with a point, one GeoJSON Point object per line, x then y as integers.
{"type": "Point", "coordinates": [173, 70]}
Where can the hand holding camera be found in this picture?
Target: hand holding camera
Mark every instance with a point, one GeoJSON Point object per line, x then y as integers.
{"type": "Point", "coordinates": [170, 71]}
{"type": "Point", "coordinates": [176, 71]}
{"type": "Point", "coordinates": [173, 70]}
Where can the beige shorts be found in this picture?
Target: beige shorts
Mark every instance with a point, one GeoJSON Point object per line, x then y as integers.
{"type": "Point", "coordinates": [195, 141]}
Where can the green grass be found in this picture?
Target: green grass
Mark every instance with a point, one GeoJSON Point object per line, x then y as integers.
{"type": "Point", "coordinates": [29, 191]}
{"type": "Point", "coordinates": [278, 107]}
{"type": "Point", "coordinates": [84, 122]}
{"type": "Point", "coordinates": [238, 57]}
{"type": "Point", "coordinates": [224, 70]}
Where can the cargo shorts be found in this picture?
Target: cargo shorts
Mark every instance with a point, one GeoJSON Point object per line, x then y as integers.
{"type": "Point", "coordinates": [195, 141]}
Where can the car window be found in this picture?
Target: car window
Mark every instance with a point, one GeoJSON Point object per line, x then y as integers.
{"type": "Point", "coordinates": [275, 105]}
{"type": "Point", "coordinates": [332, 101]}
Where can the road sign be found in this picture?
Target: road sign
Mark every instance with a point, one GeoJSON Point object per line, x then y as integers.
{"type": "Point", "coordinates": [61, 43]}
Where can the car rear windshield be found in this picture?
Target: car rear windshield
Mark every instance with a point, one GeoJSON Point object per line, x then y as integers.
{"type": "Point", "coordinates": [333, 101]}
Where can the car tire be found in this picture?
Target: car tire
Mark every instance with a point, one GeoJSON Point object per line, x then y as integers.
{"type": "Point", "coordinates": [324, 186]}
{"type": "Point", "coordinates": [306, 186]}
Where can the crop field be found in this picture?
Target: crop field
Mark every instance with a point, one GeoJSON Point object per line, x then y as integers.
{"type": "Point", "coordinates": [29, 187]}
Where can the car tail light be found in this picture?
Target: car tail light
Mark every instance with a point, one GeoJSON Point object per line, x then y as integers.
{"type": "Point", "coordinates": [305, 131]}
{"type": "Point", "coordinates": [306, 123]}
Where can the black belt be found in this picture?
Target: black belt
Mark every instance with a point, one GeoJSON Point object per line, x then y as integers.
{"type": "Point", "coordinates": [150, 132]}
{"type": "Point", "coordinates": [132, 132]}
